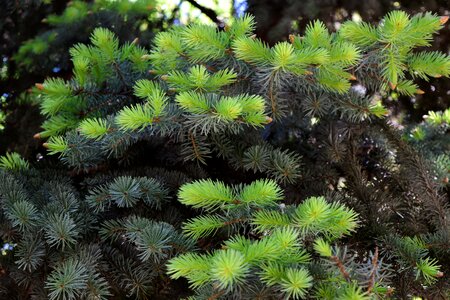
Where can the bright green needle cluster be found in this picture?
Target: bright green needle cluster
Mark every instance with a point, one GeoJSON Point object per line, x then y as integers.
{"type": "Point", "coordinates": [93, 128]}
{"type": "Point", "coordinates": [438, 118]}
{"type": "Point", "coordinates": [13, 161]}
{"type": "Point", "coordinates": [145, 114]}
{"type": "Point", "coordinates": [276, 255]}
{"type": "Point", "coordinates": [272, 259]}
{"type": "Point", "coordinates": [317, 54]}
{"type": "Point", "coordinates": [391, 46]}
{"type": "Point", "coordinates": [199, 79]}
{"type": "Point", "coordinates": [66, 103]}
{"type": "Point", "coordinates": [56, 144]}
{"type": "Point", "coordinates": [211, 195]}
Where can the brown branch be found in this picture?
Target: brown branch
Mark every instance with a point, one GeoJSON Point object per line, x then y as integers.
{"type": "Point", "coordinates": [119, 73]}
{"type": "Point", "coordinates": [355, 106]}
{"type": "Point", "coordinates": [341, 268]}
{"type": "Point", "coordinates": [210, 13]}
{"type": "Point", "coordinates": [373, 272]}
{"type": "Point", "coordinates": [216, 295]}
{"type": "Point", "coordinates": [234, 221]}
{"type": "Point", "coordinates": [102, 104]}
{"type": "Point", "coordinates": [236, 201]}
{"type": "Point", "coordinates": [195, 146]}
{"type": "Point", "coordinates": [271, 96]}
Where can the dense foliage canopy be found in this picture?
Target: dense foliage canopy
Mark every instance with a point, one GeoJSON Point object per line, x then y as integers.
{"type": "Point", "coordinates": [211, 165]}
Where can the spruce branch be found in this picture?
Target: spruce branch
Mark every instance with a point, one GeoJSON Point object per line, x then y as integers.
{"type": "Point", "coordinates": [412, 159]}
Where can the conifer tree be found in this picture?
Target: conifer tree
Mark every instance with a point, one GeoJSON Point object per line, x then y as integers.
{"type": "Point", "coordinates": [365, 214]}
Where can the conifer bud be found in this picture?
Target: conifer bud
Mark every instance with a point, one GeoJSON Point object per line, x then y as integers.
{"type": "Point", "coordinates": [439, 274]}
{"type": "Point", "coordinates": [37, 136]}
{"type": "Point", "coordinates": [443, 20]}
{"type": "Point", "coordinates": [308, 72]}
{"type": "Point", "coordinates": [445, 180]}
{"type": "Point", "coordinates": [268, 120]}
{"type": "Point", "coordinates": [135, 41]}
{"type": "Point", "coordinates": [393, 86]}
{"type": "Point", "coordinates": [437, 76]}
{"type": "Point", "coordinates": [145, 57]}
{"type": "Point", "coordinates": [153, 72]}
{"type": "Point", "coordinates": [164, 77]}
{"type": "Point", "coordinates": [45, 145]}
{"type": "Point", "coordinates": [253, 36]}
{"type": "Point", "coordinates": [39, 86]}
{"type": "Point", "coordinates": [352, 77]}
{"type": "Point", "coordinates": [292, 38]}
{"type": "Point", "coordinates": [172, 90]}
{"type": "Point", "coordinates": [419, 92]}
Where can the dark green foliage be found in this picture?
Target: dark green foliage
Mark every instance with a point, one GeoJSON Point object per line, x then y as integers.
{"type": "Point", "coordinates": [79, 246]}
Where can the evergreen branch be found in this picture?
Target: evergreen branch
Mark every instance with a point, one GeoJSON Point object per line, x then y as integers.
{"type": "Point", "coordinates": [67, 280]}
{"type": "Point", "coordinates": [271, 95]}
{"type": "Point", "coordinates": [119, 73]}
{"type": "Point", "coordinates": [413, 160]}
{"type": "Point", "coordinates": [14, 162]}
{"type": "Point", "coordinates": [373, 271]}
{"type": "Point", "coordinates": [341, 268]}
{"type": "Point", "coordinates": [204, 226]}
{"type": "Point", "coordinates": [216, 295]}
{"type": "Point", "coordinates": [195, 147]}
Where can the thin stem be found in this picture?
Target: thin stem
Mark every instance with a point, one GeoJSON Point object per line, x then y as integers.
{"type": "Point", "coordinates": [374, 271]}
{"type": "Point", "coordinates": [341, 268]}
